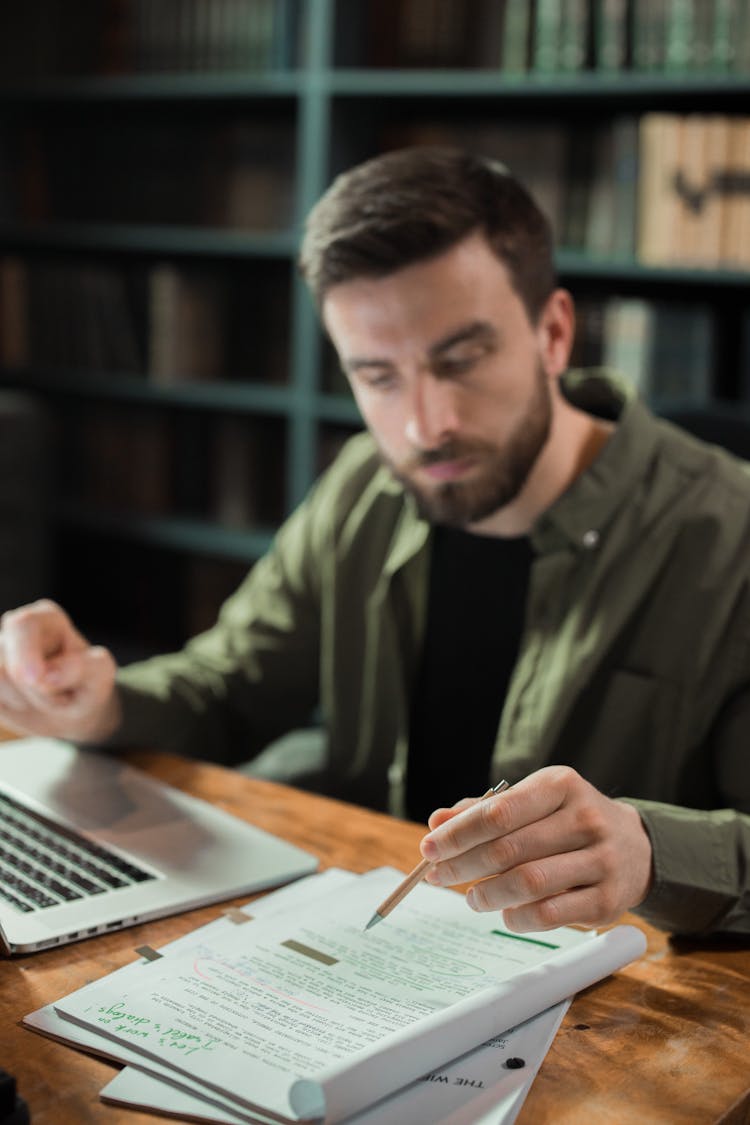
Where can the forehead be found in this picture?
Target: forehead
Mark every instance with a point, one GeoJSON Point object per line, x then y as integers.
{"type": "Point", "coordinates": [465, 283]}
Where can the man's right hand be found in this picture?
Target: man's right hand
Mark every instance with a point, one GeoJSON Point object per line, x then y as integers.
{"type": "Point", "coordinates": [52, 681]}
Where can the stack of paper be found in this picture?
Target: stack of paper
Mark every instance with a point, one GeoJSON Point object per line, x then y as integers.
{"type": "Point", "coordinates": [302, 1015]}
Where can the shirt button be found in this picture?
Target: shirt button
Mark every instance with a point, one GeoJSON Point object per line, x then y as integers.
{"type": "Point", "coordinates": [590, 539]}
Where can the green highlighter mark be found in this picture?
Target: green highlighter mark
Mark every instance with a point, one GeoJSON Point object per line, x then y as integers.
{"type": "Point", "coordinates": [528, 940]}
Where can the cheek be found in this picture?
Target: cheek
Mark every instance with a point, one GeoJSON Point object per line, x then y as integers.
{"type": "Point", "coordinates": [384, 421]}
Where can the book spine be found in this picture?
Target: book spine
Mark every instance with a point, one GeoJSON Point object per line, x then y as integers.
{"type": "Point", "coordinates": [658, 157]}
{"type": "Point", "coordinates": [574, 36]}
{"type": "Point", "coordinates": [547, 36]}
{"type": "Point", "coordinates": [679, 35]}
{"type": "Point", "coordinates": [610, 35]}
{"type": "Point", "coordinates": [517, 36]}
{"type": "Point", "coordinates": [626, 172]}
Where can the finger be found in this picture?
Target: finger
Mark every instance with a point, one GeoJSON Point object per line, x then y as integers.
{"type": "Point", "coordinates": [579, 906]}
{"type": "Point", "coordinates": [534, 798]}
{"type": "Point", "coordinates": [533, 882]}
{"type": "Point", "coordinates": [563, 831]}
{"type": "Point", "coordinates": [441, 815]}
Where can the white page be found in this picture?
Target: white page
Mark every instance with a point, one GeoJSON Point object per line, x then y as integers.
{"type": "Point", "coordinates": [292, 896]}
{"type": "Point", "coordinates": [249, 1014]}
{"type": "Point", "coordinates": [476, 1089]}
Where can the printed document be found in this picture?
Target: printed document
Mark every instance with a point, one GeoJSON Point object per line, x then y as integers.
{"type": "Point", "coordinates": [304, 1015]}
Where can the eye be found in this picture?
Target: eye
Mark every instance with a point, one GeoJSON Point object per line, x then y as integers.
{"type": "Point", "coordinates": [377, 379]}
{"type": "Point", "coordinates": [457, 363]}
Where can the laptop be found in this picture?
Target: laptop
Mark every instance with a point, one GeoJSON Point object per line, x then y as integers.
{"type": "Point", "coordinates": [88, 844]}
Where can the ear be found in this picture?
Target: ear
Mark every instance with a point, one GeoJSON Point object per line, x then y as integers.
{"type": "Point", "coordinates": [556, 329]}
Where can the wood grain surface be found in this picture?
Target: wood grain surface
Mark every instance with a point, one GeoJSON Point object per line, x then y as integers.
{"type": "Point", "coordinates": [665, 1040]}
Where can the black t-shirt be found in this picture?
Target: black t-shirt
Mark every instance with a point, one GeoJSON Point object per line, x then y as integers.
{"type": "Point", "coordinates": [475, 615]}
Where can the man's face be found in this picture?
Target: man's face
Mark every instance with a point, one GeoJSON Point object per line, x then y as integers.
{"type": "Point", "coordinates": [450, 376]}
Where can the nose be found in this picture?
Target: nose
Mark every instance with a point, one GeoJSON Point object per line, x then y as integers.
{"type": "Point", "coordinates": [432, 416]}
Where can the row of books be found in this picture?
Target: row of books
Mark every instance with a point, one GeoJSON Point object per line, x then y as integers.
{"type": "Point", "coordinates": [662, 188]}
{"type": "Point", "coordinates": [667, 188]}
{"type": "Point", "coordinates": [148, 462]}
{"type": "Point", "coordinates": [206, 170]}
{"type": "Point", "coordinates": [172, 324]}
{"type": "Point", "coordinates": [694, 190]}
{"type": "Point", "coordinates": [561, 36]}
{"type": "Point", "coordinates": [85, 319]}
{"type": "Point", "coordinates": [71, 37]}
{"type": "Point", "coordinates": [64, 38]}
{"type": "Point", "coordinates": [204, 35]}
{"type": "Point", "coordinates": [665, 349]}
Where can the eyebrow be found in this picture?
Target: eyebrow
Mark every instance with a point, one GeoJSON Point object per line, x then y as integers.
{"type": "Point", "coordinates": [478, 331]}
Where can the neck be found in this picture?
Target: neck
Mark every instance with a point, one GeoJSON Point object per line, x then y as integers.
{"type": "Point", "coordinates": [574, 442]}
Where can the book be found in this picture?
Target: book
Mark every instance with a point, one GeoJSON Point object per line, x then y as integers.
{"type": "Point", "coordinates": [627, 339]}
{"type": "Point", "coordinates": [547, 36]}
{"type": "Point", "coordinates": [517, 36]}
{"type": "Point", "coordinates": [658, 158]}
{"type": "Point", "coordinates": [237, 471]}
{"type": "Point", "coordinates": [625, 173]}
{"type": "Point", "coordinates": [735, 217]}
{"type": "Point", "coordinates": [573, 49]}
{"type": "Point", "coordinates": [303, 1014]}
{"type": "Point", "coordinates": [680, 39]}
{"type": "Point", "coordinates": [692, 189]}
{"type": "Point", "coordinates": [186, 324]}
{"type": "Point", "coordinates": [665, 349]}
{"type": "Point", "coordinates": [682, 353]}
{"type": "Point", "coordinates": [610, 34]}
{"type": "Point", "coordinates": [716, 155]}
{"type": "Point", "coordinates": [649, 34]}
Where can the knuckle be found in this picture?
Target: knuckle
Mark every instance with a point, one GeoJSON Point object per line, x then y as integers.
{"type": "Point", "coordinates": [496, 814]}
{"type": "Point", "coordinates": [607, 904]}
{"type": "Point", "coordinates": [502, 853]}
{"type": "Point", "coordinates": [532, 881]}
{"type": "Point", "coordinates": [448, 873]}
{"type": "Point", "coordinates": [449, 838]}
{"type": "Point", "coordinates": [549, 914]}
{"type": "Point", "coordinates": [479, 900]}
{"type": "Point", "coordinates": [562, 776]}
{"type": "Point", "coordinates": [590, 822]}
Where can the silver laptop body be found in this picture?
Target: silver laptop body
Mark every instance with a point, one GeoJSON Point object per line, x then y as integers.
{"type": "Point", "coordinates": [88, 844]}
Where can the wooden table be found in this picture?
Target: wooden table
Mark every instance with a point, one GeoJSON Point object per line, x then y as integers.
{"type": "Point", "coordinates": [665, 1040]}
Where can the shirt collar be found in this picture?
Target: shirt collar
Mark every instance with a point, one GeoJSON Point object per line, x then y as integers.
{"type": "Point", "coordinates": [581, 516]}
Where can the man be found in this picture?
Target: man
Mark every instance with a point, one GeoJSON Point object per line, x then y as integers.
{"type": "Point", "coordinates": [512, 575]}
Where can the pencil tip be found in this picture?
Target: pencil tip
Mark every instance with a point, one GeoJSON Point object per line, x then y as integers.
{"type": "Point", "coordinates": [374, 920]}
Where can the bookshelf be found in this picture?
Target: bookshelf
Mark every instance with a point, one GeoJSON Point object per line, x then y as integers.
{"type": "Point", "coordinates": [156, 165]}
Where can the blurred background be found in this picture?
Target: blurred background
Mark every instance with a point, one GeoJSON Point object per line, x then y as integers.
{"type": "Point", "coordinates": [166, 396]}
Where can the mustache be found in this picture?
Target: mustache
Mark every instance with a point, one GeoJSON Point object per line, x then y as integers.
{"type": "Point", "coordinates": [449, 451]}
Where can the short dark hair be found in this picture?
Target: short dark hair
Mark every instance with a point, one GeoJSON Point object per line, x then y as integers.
{"type": "Point", "coordinates": [413, 203]}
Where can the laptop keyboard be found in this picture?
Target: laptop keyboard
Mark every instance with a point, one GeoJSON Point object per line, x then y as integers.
{"type": "Point", "coordinates": [42, 865]}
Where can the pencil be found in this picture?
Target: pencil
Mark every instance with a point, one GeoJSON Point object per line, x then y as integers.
{"type": "Point", "coordinates": [417, 874]}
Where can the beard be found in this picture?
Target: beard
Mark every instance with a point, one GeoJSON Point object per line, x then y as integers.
{"type": "Point", "coordinates": [501, 472]}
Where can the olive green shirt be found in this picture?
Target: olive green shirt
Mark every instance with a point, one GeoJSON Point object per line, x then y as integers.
{"type": "Point", "coordinates": [634, 665]}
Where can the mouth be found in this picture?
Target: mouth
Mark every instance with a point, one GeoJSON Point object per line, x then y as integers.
{"type": "Point", "coordinates": [442, 471]}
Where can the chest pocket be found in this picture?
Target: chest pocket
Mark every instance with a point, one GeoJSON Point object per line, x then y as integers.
{"type": "Point", "coordinates": [623, 734]}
